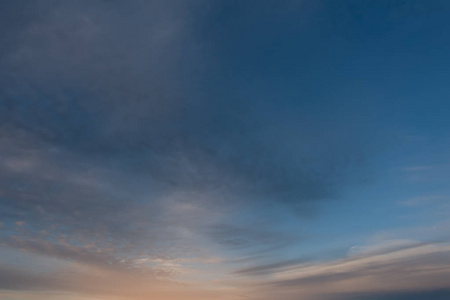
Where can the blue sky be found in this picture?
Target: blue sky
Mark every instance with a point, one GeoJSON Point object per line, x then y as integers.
{"type": "Point", "coordinates": [224, 150]}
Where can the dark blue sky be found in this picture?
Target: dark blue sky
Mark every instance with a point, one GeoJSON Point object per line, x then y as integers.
{"type": "Point", "coordinates": [224, 150]}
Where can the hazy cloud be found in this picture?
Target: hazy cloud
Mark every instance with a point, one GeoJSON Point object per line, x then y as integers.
{"type": "Point", "coordinates": [122, 160]}
{"type": "Point", "coordinates": [422, 267]}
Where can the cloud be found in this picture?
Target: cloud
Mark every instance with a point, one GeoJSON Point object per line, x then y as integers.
{"type": "Point", "coordinates": [385, 269]}
{"type": "Point", "coordinates": [416, 295]}
{"type": "Point", "coordinates": [30, 272]}
{"type": "Point", "coordinates": [250, 237]}
{"type": "Point", "coordinates": [114, 151]}
{"type": "Point", "coordinates": [424, 200]}
{"type": "Point", "coordinates": [269, 268]}
{"type": "Point", "coordinates": [61, 250]}
{"type": "Point", "coordinates": [12, 279]}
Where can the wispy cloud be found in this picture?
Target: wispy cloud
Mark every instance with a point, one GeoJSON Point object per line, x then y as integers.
{"type": "Point", "coordinates": [135, 161]}
{"type": "Point", "coordinates": [389, 267]}
{"type": "Point", "coordinates": [424, 200]}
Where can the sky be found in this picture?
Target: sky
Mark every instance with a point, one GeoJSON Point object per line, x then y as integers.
{"type": "Point", "coordinates": [224, 149]}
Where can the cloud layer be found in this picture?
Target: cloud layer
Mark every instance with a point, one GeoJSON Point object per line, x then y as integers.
{"type": "Point", "coordinates": [134, 161]}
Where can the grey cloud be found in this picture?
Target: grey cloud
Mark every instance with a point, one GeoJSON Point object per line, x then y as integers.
{"type": "Point", "coordinates": [64, 251]}
{"type": "Point", "coordinates": [57, 195]}
{"type": "Point", "coordinates": [16, 279]}
{"type": "Point", "coordinates": [90, 72]}
{"type": "Point", "coordinates": [107, 259]}
{"type": "Point", "coordinates": [265, 269]}
{"type": "Point", "coordinates": [320, 279]}
{"type": "Point", "coordinates": [252, 239]}
{"type": "Point", "coordinates": [239, 237]}
{"type": "Point", "coordinates": [412, 270]}
{"type": "Point", "coordinates": [418, 271]}
{"type": "Point", "coordinates": [128, 111]}
{"type": "Point", "coordinates": [78, 281]}
{"type": "Point", "coordinates": [103, 118]}
{"type": "Point", "coordinates": [438, 294]}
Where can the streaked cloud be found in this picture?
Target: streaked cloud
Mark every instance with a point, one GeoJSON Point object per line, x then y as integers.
{"type": "Point", "coordinates": [196, 150]}
{"type": "Point", "coordinates": [392, 267]}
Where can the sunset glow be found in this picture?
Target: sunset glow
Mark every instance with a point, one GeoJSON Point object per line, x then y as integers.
{"type": "Point", "coordinates": [224, 150]}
